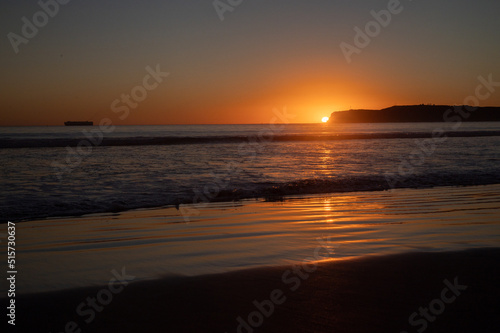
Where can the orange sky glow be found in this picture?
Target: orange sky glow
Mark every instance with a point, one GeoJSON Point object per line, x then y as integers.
{"type": "Point", "coordinates": [236, 71]}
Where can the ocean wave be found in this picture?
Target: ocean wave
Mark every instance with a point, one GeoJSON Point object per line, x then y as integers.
{"type": "Point", "coordinates": [188, 140]}
{"type": "Point", "coordinates": [47, 206]}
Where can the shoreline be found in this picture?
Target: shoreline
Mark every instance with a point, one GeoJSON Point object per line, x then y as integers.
{"type": "Point", "coordinates": [228, 237]}
{"type": "Point", "coordinates": [270, 197]}
{"type": "Point", "coordinates": [370, 294]}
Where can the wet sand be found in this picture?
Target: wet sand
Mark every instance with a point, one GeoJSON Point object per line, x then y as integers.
{"type": "Point", "coordinates": [250, 266]}
{"type": "Point", "coordinates": [70, 253]}
{"type": "Point", "coordinates": [374, 294]}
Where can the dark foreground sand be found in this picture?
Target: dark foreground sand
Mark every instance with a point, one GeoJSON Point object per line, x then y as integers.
{"type": "Point", "coordinates": [376, 294]}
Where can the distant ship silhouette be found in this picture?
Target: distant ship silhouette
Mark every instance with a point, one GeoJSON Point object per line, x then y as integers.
{"type": "Point", "coordinates": [78, 123]}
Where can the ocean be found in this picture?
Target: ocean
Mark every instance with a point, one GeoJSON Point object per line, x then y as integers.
{"type": "Point", "coordinates": [71, 171]}
{"type": "Point", "coordinates": [193, 200]}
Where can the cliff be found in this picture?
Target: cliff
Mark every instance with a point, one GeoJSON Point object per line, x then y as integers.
{"type": "Point", "coordinates": [416, 113]}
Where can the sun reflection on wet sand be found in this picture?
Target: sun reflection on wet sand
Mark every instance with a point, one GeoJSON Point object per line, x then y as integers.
{"type": "Point", "coordinates": [230, 236]}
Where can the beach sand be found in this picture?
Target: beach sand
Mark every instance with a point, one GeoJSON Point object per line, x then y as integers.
{"type": "Point", "coordinates": [383, 257]}
{"type": "Point", "coordinates": [69, 253]}
{"type": "Point", "coordinates": [375, 294]}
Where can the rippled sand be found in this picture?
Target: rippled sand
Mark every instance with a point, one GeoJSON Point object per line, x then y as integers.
{"type": "Point", "coordinates": [220, 237]}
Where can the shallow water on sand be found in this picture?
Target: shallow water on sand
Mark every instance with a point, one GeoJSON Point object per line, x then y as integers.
{"type": "Point", "coordinates": [47, 182]}
{"type": "Point", "coordinates": [64, 253]}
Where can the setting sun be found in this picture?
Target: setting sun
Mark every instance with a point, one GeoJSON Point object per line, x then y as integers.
{"type": "Point", "coordinates": [324, 119]}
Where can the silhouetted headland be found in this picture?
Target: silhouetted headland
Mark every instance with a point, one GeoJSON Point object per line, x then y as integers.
{"type": "Point", "coordinates": [417, 113]}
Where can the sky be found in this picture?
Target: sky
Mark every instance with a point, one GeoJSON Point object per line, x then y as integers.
{"type": "Point", "coordinates": [237, 63]}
